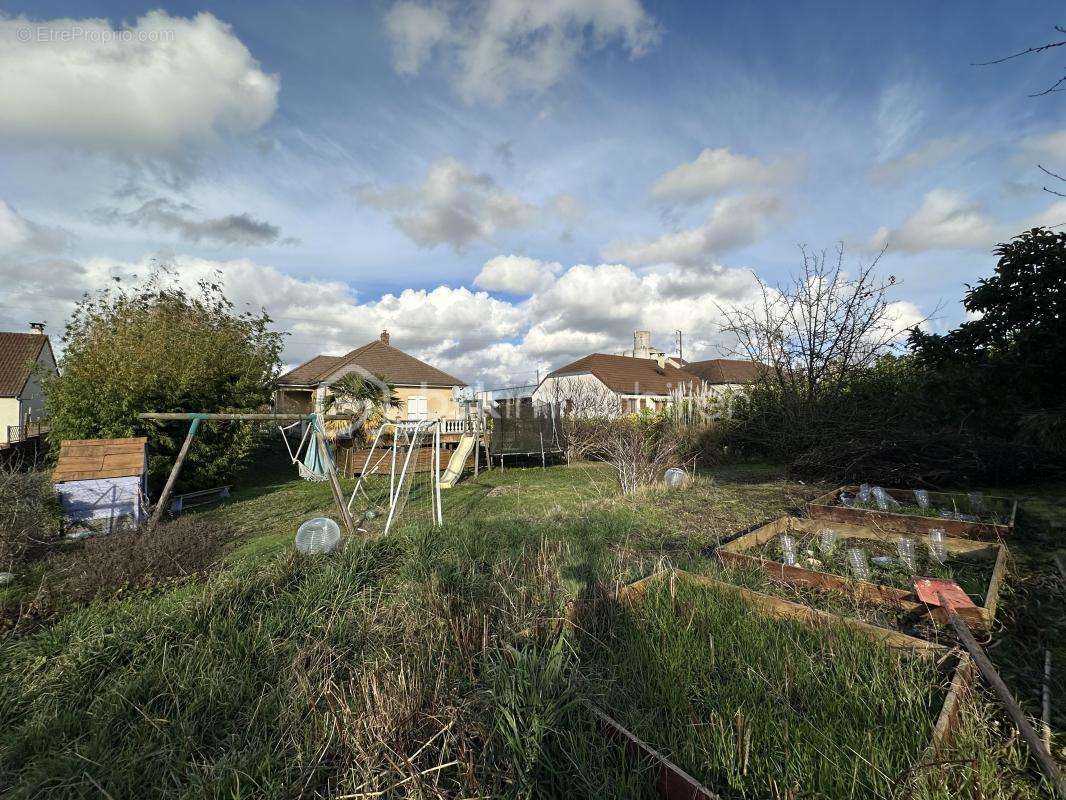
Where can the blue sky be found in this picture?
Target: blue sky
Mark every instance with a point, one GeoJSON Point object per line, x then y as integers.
{"type": "Point", "coordinates": [506, 186]}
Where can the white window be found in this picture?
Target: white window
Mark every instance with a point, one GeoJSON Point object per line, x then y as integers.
{"type": "Point", "coordinates": [417, 408]}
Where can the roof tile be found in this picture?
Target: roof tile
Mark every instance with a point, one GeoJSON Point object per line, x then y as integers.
{"type": "Point", "coordinates": [628, 375]}
{"type": "Point", "coordinates": [376, 358]}
{"type": "Point", "coordinates": [18, 354]}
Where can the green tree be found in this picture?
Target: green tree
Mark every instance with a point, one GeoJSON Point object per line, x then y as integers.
{"type": "Point", "coordinates": [1005, 365]}
{"type": "Point", "coordinates": [158, 347]}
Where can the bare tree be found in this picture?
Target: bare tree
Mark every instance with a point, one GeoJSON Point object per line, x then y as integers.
{"type": "Point", "coordinates": [815, 332]}
{"type": "Point", "coordinates": [1055, 88]}
{"type": "Point", "coordinates": [638, 447]}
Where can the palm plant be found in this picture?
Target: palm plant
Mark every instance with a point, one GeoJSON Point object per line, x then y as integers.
{"type": "Point", "coordinates": [360, 395]}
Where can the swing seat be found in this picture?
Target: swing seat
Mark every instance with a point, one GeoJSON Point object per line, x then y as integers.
{"type": "Point", "coordinates": [310, 475]}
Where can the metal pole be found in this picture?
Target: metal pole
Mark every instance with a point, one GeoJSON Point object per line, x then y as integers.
{"type": "Point", "coordinates": [362, 472]}
{"type": "Point", "coordinates": [174, 472]}
{"type": "Point", "coordinates": [392, 469]}
{"type": "Point", "coordinates": [477, 444]}
{"type": "Point", "coordinates": [399, 485]}
{"type": "Point", "coordinates": [436, 473]}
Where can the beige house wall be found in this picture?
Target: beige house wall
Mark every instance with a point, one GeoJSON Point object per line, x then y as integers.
{"type": "Point", "coordinates": [439, 402]}
{"type": "Point", "coordinates": [9, 415]}
{"type": "Point", "coordinates": [14, 410]}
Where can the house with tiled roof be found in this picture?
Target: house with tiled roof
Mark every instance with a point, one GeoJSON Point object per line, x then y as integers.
{"type": "Point", "coordinates": [639, 379]}
{"type": "Point", "coordinates": [424, 391]}
{"type": "Point", "coordinates": [24, 359]}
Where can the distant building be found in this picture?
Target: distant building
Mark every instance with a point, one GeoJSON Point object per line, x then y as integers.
{"type": "Point", "coordinates": [424, 391]}
{"type": "Point", "coordinates": [642, 378]}
{"type": "Point", "coordinates": [24, 359]}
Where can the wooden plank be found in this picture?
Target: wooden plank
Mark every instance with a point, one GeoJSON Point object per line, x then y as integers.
{"type": "Point", "coordinates": [992, 595]}
{"type": "Point", "coordinates": [671, 782]}
{"type": "Point", "coordinates": [1044, 759]}
{"type": "Point", "coordinates": [164, 499]}
{"type": "Point", "coordinates": [787, 609]}
{"type": "Point", "coordinates": [948, 719]}
{"type": "Point", "coordinates": [825, 507]}
{"type": "Point", "coordinates": [905, 601]}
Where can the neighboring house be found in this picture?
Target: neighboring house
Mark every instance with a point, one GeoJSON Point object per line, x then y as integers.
{"type": "Point", "coordinates": [424, 391]}
{"type": "Point", "coordinates": [726, 375]}
{"type": "Point", "coordinates": [102, 482]}
{"type": "Point", "coordinates": [605, 384]}
{"type": "Point", "coordinates": [643, 378]}
{"type": "Point", "coordinates": [24, 358]}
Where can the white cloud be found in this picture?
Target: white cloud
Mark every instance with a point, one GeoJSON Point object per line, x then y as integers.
{"type": "Point", "coordinates": [454, 205]}
{"type": "Point", "coordinates": [900, 112]}
{"type": "Point", "coordinates": [734, 222]}
{"type": "Point", "coordinates": [19, 233]}
{"type": "Point", "coordinates": [516, 274]}
{"type": "Point", "coordinates": [145, 88]}
{"type": "Point", "coordinates": [922, 157]}
{"type": "Point", "coordinates": [493, 48]}
{"type": "Point", "coordinates": [715, 171]}
{"type": "Point", "coordinates": [946, 220]}
{"type": "Point", "coordinates": [588, 308]}
{"type": "Point", "coordinates": [1049, 149]}
{"type": "Point", "coordinates": [1054, 216]}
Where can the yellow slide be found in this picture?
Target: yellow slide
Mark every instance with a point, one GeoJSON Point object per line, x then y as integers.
{"type": "Point", "coordinates": [458, 461]}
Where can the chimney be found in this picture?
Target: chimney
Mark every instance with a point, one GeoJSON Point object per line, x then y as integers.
{"type": "Point", "coordinates": [384, 337]}
{"type": "Point", "coordinates": [641, 344]}
{"type": "Point", "coordinates": [661, 361]}
{"type": "Point", "coordinates": [37, 327]}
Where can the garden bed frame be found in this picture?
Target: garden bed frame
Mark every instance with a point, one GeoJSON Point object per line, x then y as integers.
{"type": "Point", "coordinates": [673, 783]}
{"type": "Point", "coordinates": [906, 601]}
{"type": "Point", "coordinates": [827, 506]}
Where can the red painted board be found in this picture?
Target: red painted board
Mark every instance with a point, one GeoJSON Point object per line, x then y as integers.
{"type": "Point", "coordinates": [929, 590]}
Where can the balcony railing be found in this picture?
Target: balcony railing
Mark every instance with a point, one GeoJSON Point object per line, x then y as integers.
{"type": "Point", "coordinates": [20, 433]}
{"type": "Point", "coordinates": [455, 426]}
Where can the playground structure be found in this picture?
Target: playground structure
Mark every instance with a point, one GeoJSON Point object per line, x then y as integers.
{"type": "Point", "coordinates": [397, 447]}
{"type": "Point", "coordinates": [529, 431]}
{"type": "Point", "coordinates": [322, 456]}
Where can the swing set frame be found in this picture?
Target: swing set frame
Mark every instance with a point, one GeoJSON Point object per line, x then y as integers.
{"type": "Point", "coordinates": [413, 431]}
{"type": "Point", "coordinates": [194, 420]}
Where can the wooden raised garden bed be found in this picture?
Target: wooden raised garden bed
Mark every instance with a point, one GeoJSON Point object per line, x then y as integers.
{"type": "Point", "coordinates": [978, 566]}
{"type": "Point", "coordinates": [996, 523]}
{"type": "Point", "coordinates": [672, 782]}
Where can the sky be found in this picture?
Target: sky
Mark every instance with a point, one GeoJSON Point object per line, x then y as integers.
{"type": "Point", "coordinates": [507, 186]}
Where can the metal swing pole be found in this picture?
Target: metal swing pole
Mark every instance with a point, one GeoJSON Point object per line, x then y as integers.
{"type": "Point", "coordinates": [362, 472]}
{"type": "Point", "coordinates": [436, 474]}
{"type": "Point", "coordinates": [399, 485]}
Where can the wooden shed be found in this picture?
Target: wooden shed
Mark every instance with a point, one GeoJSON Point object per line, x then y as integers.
{"type": "Point", "coordinates": [103, 481]}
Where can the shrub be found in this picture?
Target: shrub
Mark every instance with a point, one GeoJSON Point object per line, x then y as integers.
{"type": "Point", "coordinates": [103, 564]}
{"type": "Point", "coordinates": [640, 447]}
{"type": "Point", "coordinates": [29, 515]}
{"type": "Point", "coordinates": [158, 347]}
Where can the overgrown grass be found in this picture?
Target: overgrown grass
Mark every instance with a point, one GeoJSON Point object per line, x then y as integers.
{"type": "Point", "coordinates": [428, 663]}
{"type": "Point", "coordinates": [758, 707]}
